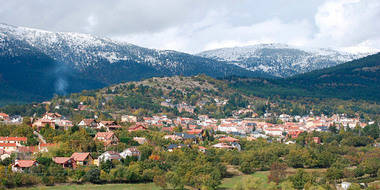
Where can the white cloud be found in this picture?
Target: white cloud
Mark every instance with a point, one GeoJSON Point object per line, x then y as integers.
{"type": "Point", "coordinates": [212, 33]}
{"type": "Point", "coordinates": [344, 23]}
{"type": "Point", "coordinates": [196, 25]}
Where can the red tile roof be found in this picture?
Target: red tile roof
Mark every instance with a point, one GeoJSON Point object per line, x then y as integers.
{"type": "Point", "coordinates": [137, 128]}
{"type": "Point", "coordinates": [228, 139]}
{"type": "Point", "coordinates": [202, 147]}
{"type": "Point", "coordinates": [114, 126]}
{"type": "Point", "coordinates": [8, 145]}
{"type": "Point", "coordinates": [53, 114]}
{"type": "Point", "coordinates": [13, 139]}
{"type": "Point", "coordinates": [88, 122]}
{"type": "Point", "coordinates": [25, 163]}
{"type": "Point", "coordinates": [78, 156]}
{"type": "Point", "coordinates": [105, 135]}
{"type": "Point", "coordinates": [61, 160]}
{"type": "Point", "coordinates": [4, 115]}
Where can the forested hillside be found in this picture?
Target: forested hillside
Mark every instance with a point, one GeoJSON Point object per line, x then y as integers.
{"type": "Point", "coordinates": [358, 79]}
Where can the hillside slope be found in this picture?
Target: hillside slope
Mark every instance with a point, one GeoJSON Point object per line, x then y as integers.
{"type": "Point", "coordinates": [358, 79]}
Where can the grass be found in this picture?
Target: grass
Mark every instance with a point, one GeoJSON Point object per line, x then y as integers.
{"type": "Point", "coordinates": [138, 186]}
{"type": "Point", "coordinates": [229, 183]}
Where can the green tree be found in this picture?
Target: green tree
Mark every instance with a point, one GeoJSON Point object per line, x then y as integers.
{"type": "Point", "coordinates": [334, 174]}
{"type": "Point", "coordinates": [174, 180]}
{"type": "Point", "coordinates": [160, 180]}
{"type": "Point", "coordinates": [92, 175]}
{"type": "Point", "coordinates": [300, 179]}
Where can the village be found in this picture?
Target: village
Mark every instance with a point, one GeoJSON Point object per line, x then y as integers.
{"type": "Point", "coordinates": [181, 131]}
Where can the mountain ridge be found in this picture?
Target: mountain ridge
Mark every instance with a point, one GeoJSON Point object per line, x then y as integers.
{"type": "Point", "coordinates": [281, 60]}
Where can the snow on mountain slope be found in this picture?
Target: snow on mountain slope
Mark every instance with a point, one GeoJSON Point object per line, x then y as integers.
{"type": "Point", "coordinates": [84, 51]}
{"type": "Point", "coordinates": [280, 59]}
{"type": "Point", "coordinates": [80, 49]}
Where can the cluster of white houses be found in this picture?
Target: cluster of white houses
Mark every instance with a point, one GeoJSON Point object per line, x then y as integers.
{"type": "Point", "coordinates": [53, 120]}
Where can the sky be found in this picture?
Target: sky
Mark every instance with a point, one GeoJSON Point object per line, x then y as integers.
{"type": "Point", "coordinates": [193, 26]}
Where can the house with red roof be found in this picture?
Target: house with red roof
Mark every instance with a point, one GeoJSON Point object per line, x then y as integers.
{"type": "Point", "coordinates": [52, 120]}
{"type": "Point", "coordinates": [222, 146]}
{"type": "Point", "coordinates": [52, 116]}
{"type": "Point", "coordinates": [137, 128]}
{"type": "Point", "coordinates": [82, 158]}
{"type": "Point", "coordinates": [66, 162]}
{"type": "Point", "coordinates": [108, 138]}
{"type": "Point", "coordinates": [202, 149]}
{"type": "Point", "coordinates": [42, 122]}
{"type": "Point", "coordinates": [4, 116]}
{"type": "Point", "coordinates": [108, 125]}
{"type": "Point", "coordinates": [88, 123]}
{"type": "Point", "coordinates": [23, 165]}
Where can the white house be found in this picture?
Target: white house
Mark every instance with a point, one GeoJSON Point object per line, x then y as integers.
{"type": "Point", "coordinates": [128, 118]}
{"type": "Point", "coordinates": [273, 131]}
{"type": "Point", "coordinates": [133, 151]}
{"type": "Point", "coordinates": [109, 155]}
{"type": "Point", "coordinates": [4, 154]}
{"type": "Point", "coordinates": [88, 123]}
{"type": "Point", "coordinates": [345, 185]}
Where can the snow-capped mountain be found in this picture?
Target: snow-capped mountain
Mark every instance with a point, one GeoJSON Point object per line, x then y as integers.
{"type": "Point", "coordinates": [280, 59]}
{"type": "Point", "coordinates": [63, 62]}
{"type": "Point", "coordinates": [84, 50]}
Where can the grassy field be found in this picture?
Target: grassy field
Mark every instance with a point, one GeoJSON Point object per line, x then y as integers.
{"type": "Point", "coordinates": [227, 183]}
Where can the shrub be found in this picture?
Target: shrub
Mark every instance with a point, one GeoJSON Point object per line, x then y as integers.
{"type": "Point", "coordinates": [92, 175]}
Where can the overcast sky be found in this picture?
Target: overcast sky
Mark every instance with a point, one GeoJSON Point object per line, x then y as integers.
{"type": "Point", "coordinates": [196, 25]}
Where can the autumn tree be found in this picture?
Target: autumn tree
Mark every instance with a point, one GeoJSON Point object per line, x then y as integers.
{"type": "Point", "coordinates": [277, 172]}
